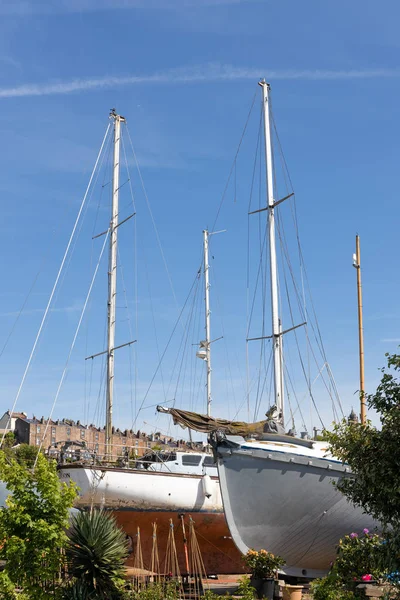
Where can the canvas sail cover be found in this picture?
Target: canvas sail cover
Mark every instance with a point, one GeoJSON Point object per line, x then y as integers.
{"type": "Point", "coordinates": [205, 424]}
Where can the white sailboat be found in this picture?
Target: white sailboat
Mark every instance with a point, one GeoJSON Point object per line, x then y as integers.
{"type": "Point", "coordinates": [173, 486]}
{"type": "Point", "coordinates": [291, 506]}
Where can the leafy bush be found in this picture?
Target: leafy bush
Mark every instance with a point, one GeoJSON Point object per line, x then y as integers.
{"type": "Point", "coordinates": [245, 589]}
{"type": "Point", "coordinates": [372, 452]}
{"type": "Point", "coordinates": [358, 556]}
{"type": "Point", "coordinates": [263, 564]}
{"type": "Point", "coordinates": [32, 526]}
{"type": "Point", "coordinates": [330, 588]}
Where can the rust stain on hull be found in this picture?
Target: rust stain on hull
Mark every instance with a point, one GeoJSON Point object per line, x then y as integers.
{"type": "Point", "coordinates": [219, 552]}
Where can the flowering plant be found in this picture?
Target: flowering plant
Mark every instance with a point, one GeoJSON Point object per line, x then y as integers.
{"type": "Point", "coordinates": [263, 564]}
{"type": "Point", "coordinates": [358, 557]}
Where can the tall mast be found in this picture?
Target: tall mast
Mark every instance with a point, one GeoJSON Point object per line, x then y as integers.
{"type": "Point", "coordinates": [357, 265]}
{"type": "Point", "coordinates": [208, 318]}
{"type": "Point", "coordinates": [276, 325]}
{"type": "Point", "coordinates": [112, 281]}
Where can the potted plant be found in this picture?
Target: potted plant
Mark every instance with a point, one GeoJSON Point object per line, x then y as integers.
{"type": "Point", "coordinates": [263, 567]}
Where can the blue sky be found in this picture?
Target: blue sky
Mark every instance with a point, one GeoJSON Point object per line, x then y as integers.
{"type": "Point", "coordinates": [184, 74]}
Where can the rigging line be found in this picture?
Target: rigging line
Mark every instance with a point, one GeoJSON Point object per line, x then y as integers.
{"type": "Point", "coordinates": [55, 284]}
{"type": "Point", "coordinates": [104, 159]}
{"type": "Point", "coordinates": [154, 321]}
{"type": "Point", "coordinates": [90, 390]}
{"type": "Point", "coordinates": [258, 404]}
{"type": "Point", "coordinates": [248, 317]}
{"type": "Point", "coordinates": [97, 410]}
{"type": "Point", "coordinates": [285, 249]}
{"type": "Point", "coordinates": [264, 249]}
{"type": "Point", "coordinates": [234, 161]}
{"type": "Point", "coordinates": [72, 345]}
{"type": "Point", "coordinates": [295, 396]}
{"type": "Point", "coordinates": [258, 397]}
{"type": "Point", "coordinates": [129, 175]}
{"type": "Point", "coordinates": [197, 335]}
{"type": "Point", "coordinates": [333, 383]}
{"type": "Point", "coordinates": [103, 366]}
{"type": "Point", "coordinates": [185, 343]}
{"type": "Point", "coordinates": [168, 343]}
{"type": "Point", "coordinates": [152, 219]}
{"type": "Point", "coordinates": [129, 325]}
{"type": "Point", "coordinates": [302, 264]}
{"type": "Point", "coordinates": [304, 275]}
{"type": "Point", "coordinates": [298, 347]}
{"type": "Point", "coordinates": [243, 401]}
{"type": "Point", "coordinates": [260, 264]}
{"type": "Point", "coordinates": [225, 340]}
{"type": "Point", "coordinates": [132, 349]}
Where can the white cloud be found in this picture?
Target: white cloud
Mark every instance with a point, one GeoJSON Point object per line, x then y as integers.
{"type": "Point", "coordinates": [198, 74]}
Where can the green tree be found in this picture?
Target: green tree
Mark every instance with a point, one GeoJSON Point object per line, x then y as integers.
{"type": "Point", "coordinates": [96, 554]}
{"type": "Point", "coordinates": [26, 454]}
{"type": "Point", "coordinates": [372, 453]}
{"type": "Point", "coordinates": [9, 440]}
{"type": "Point", "coordinates": [33, 526]}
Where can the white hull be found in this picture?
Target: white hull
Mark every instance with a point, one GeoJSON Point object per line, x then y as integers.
{"type": "Point", "coordinates": [281, 497]}
{"type": "Point", "coordinates": [141, 490]}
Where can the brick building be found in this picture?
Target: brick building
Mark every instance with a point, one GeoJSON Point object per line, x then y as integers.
{"type": "Point", "coordinates": [31, 431]}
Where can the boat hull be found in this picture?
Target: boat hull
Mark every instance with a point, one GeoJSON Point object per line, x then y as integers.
{"type": "Point", "coordinates": [287, 504]}
{"type": "Point", "coordinates": [139, 498]}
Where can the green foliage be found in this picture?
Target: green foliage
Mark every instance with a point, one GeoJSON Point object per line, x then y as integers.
{"type": "Point", "coordinates": [96, 553]}
{"type": "Point", "coordinates": [263, 564]}
{"type": "Point", "coordinates": [372, 453]}
{"type": "Point", "coordinates": [330, 588]}
{"type": "Point", "coordinates": [210, 595]}
{"type": "Point", "coordinates": [245, 589]}
{"type": "Point", "coordinates": [26, 454]}
{"type": "Point", "coordinates": [358, 556]}
{"type": "Point", "coordinates": [166, 590]}
{"type": "Point", "coordinates": [9, 440]}
{"type": "Point", "coordinates": [77, 591]}
{"type": "Point", "coordinates": [32, 526]}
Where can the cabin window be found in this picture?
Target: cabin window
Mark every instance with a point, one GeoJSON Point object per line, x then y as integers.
{"type": "Point", "coordinates": [96, 436]}
{"type": "Point", "coordinates": [82, 433]}
{"type": "Point", "coordinates": [191, 459]}
{"type": "Point", "coordinates": [37, 428]}
{"type": "Point", "coordinates": [209, 461]}
{"type": "Point", "coordinates": [53, 440]}
{"type": "Point", "coordinates": [38, 441]}
{"type": "Point", "coordinates": [68, 430]}
{"type": "Point", "coordinates": [53, 431]}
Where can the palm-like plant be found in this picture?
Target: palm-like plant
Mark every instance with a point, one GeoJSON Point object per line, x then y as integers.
{"type": "Point", "coordinates": [96, 553]}
{"type": "Point", "coordinates": [77, 591]}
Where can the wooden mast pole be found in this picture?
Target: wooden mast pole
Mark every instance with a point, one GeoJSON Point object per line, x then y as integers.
{"type": "Point", "coordinates": [357, 265]}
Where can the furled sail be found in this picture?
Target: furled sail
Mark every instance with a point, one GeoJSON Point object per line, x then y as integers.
{"type": "Point", "coordinates": [207, 424]}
